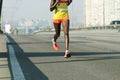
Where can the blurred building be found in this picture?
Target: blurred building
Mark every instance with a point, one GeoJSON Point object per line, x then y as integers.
{"type": "Point", "coordinates": [101, 12]}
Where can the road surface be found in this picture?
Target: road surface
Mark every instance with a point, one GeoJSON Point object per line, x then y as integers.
{"type": "Point", "coordinates": [95, 56]}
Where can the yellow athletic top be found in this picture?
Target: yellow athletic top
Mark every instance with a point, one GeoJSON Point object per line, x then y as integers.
{"type": "Point", "coordinates": [61, 11]}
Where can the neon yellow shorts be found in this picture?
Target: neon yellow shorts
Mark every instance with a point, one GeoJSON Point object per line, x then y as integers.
{"type": "Point", "coordinates": [61, 12]}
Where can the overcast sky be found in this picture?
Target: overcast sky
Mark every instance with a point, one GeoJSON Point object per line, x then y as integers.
{"type": "Point", "coordinates": [39, 9]}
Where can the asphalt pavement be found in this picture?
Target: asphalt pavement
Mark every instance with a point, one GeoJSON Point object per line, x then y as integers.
{"type": "Point", "coordinates": [95, 56]}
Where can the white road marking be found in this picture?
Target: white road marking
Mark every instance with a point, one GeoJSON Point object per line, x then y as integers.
{"type": "Point", "coordinates": [16, 69]}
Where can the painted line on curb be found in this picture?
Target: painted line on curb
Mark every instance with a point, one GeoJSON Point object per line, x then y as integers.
{"type": "Point", "coordinates": [16, 69]}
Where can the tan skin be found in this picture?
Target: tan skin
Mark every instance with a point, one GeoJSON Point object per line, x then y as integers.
{"type": "Point", "coordinates": [57, 26]}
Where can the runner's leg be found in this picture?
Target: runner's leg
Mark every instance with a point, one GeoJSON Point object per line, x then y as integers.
{"type": "Point", "coordinates": [65, 25]}
{"type": "Point", "coordinates": [57, 31]}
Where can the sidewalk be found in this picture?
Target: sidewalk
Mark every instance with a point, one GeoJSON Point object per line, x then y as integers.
{"type": "Point", "coordinates": [4, 67]}
{"type": "Point", "coordinates": [3, 47]}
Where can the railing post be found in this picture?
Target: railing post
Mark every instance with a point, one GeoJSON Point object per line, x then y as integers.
{"type": "Point", "coordinates": [1, 1]}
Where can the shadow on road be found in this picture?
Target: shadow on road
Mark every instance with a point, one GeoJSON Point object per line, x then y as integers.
{"type": "Point", "coordinates": [30, 71]}
{"type": "Point", "coordinates": [76, 56]}
{"type": "Point", "coordinates": [3, 55]}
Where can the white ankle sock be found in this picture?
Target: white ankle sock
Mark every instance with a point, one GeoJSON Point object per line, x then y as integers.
{"type": "Point", "coordinates": [67, 51]}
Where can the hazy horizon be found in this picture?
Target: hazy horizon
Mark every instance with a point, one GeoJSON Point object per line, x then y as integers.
{"type": "Point", "coordinates": [36, 9]}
